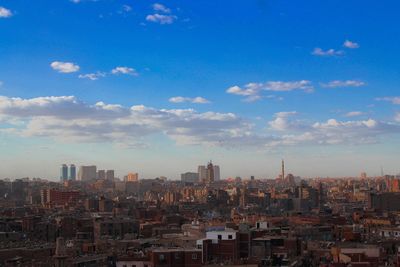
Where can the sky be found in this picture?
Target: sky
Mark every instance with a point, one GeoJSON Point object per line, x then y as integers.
{"type": "Point", "coordinates": [160, 87]}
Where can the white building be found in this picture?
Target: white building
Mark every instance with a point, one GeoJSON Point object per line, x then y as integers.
{"type": "Point", "coordinates": [216, 235]}
{"type": "Point", "coordinates": [227, 234]}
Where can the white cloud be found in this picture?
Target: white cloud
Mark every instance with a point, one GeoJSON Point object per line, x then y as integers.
{"type": "Point", "coordinates": [126, 8]}
{"type": "Point", "coordinates": [347, 83]}
{"type": "Point", "coordinates": [5, 13]}
{"type": "Point", "coordinates": [354, 114]}
{"type": "Point", "coordinates": [59, 106]}
{"type": "Point", "coordinates": [161, 8]}
{"type": "Point", "coordinates": [327, 53]}
{"type": "Point", "coordinates": [289, 86]}
{"type": "Point", "coordinates": [64, 67]}
{"type": "Point", "coordinates": [333, 132]}
{"type": "Point", "coordinates": [92, 76]}
{"type": "Point", "coordinates": [252, 91]}
{"type": "Point", "coordinates": [195, 100]}
{"type": "Point", "coordinates": [350, 44]}
{"type": "Point", "coordinates": [162, 15]}
{"type": "Point", "coordinates": [124, 70]}
{"type": "Point", "coordinates": [395, 100]}
{"type": "Point", "coordinates": [161, 19]}
{"type": "Point", "coordinates": [69, 119]}
{"type": "Point", "coordinates": [249, 90]}
{"type": "Point", "coordinates": [281, 122]}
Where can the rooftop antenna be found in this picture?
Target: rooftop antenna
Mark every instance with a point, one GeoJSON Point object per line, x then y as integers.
{"type": "Point", "coordinates": [382, 171]}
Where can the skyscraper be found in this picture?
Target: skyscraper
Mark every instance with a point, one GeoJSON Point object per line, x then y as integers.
{"type": "Point", "coordinates": [64, 172]}
{"type": "Point", "coordinates": [87, 173]}
{"type": "Point", "coordinates": [217, 175]}
{"type": "Point", "coordinates": [210, 173]}
{"type": "Point", "coordinates": [202, 171]}
{"type": "Point", "coordinates": [72, 172]}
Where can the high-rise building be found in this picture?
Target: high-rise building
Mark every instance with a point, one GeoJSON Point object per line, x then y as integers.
{"type": "Point", "coordinates": [202, 171]}
{"type": "Point", "coordinates": [101, 174]}
{"type": "Point", "coordinates": [87, 173]}
{"type": "Point", "coordinates": [210, 173]}
{"type": "Point", "coordinates": [132, 177]}
{"type": "Point", "coordinates": [64, 172]}
{"type": "Point", "coordinates": [217, 175]}
{"type": "Point", "coordinates": [190, 177]}
{"type": "Point", "coordinates": [72, 172]}
{"type": "Point", "coordinates": [110, 175]}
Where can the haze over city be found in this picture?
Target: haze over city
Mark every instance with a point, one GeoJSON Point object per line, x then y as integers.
{"type": "Point", "coordinates": [161, 87]}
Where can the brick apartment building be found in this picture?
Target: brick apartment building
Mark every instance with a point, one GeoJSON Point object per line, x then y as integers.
{"type": "Point", "coordinates": [58, 197]}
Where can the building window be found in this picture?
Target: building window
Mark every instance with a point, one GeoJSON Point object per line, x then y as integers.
{"type": "Point", "coordinates": [219, 237]}
{"type": "Point", "coordinates": [177, 256]}
{"type": "Point", "coordinates": [194, 256]}
{"type": "Point", "coordinates": [161, 257]}
{"type": "Point", "coordinates": [229, 236]}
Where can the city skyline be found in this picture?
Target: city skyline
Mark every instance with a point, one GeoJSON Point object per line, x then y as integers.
{"type": "Point", "coordinates": [160, 87]}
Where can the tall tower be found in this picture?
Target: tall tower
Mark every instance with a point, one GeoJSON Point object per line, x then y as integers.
{"type": "Point", "coordinates": [202, 171]}
{"type": "Point", "coordinates": [217, 174]}
{"type": "Point", "coordinates": [63, 173]}
{"type": "Point", "coordinates": [72, 172]}
{"type": "Point", "coordinates": [210, 172]}
{"type": "Point", "coordinates": [283, 169]}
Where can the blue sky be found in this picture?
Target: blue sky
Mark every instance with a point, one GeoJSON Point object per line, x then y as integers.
{"type": "Point", "coordinates": [161, 87]}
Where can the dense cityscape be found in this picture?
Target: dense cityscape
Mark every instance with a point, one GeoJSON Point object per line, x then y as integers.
{"type": "Point", "coordinates": [188, 133]}
{"type": "Point", "coordinates": [92, 218]}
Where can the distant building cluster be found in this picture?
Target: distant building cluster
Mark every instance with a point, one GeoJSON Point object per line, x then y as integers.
{"type": "Point", "coordinates": [85, 173]}
{"type": "Point", "coordinates": [67, 172]}
{"type": "Point", "coordinates": [92, 218]}
{"type": "Point", "coordinates": [205, 174]}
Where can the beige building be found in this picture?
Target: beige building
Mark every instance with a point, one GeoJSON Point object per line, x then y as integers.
{"type": "Point", "coordinates": [132, 177]}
